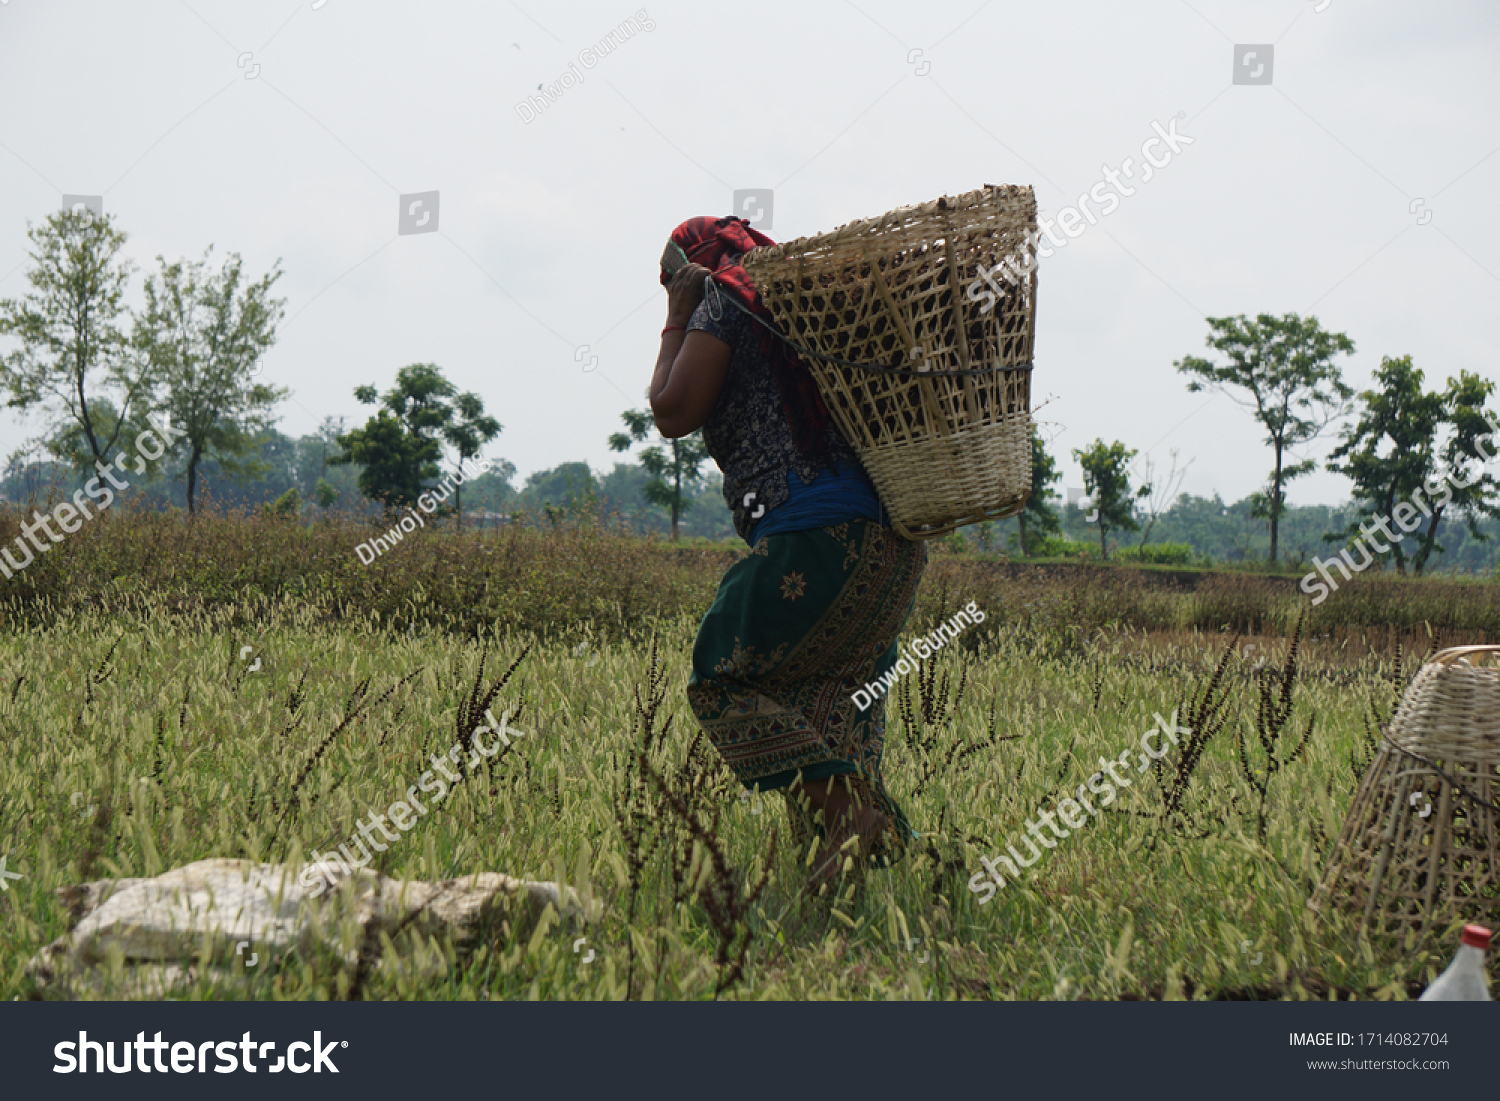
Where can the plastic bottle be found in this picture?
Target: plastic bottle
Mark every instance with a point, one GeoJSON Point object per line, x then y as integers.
{"type": "Point", "coordinates": [1465, 980]}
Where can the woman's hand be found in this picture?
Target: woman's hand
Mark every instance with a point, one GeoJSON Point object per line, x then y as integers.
{"type": "Point", "coordinates": [684, 292]}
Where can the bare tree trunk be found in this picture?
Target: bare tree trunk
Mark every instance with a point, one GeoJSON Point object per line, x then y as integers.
{"type": "Point", "coordinates": [1425, 547]}
{"type": "Point", "coordinates": [676, 489]}
{"type": "Point", "coordinates": [1276, 503]}
{"type": "Point", "coordinates": [192, 479]}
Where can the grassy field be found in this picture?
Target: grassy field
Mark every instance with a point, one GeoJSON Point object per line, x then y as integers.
{"type": "Point", "coordinates": [138, 738]}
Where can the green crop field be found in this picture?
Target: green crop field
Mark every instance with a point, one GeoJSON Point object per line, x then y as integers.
{"type": "Point", "coordinates": [140, 734]}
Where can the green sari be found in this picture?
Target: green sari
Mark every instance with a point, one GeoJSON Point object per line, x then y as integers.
{"type": "Point", "coordinates": [799, 624]}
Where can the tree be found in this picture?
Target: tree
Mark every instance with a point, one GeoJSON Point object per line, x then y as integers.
{"type": "Point", "coordinates": [1162, 492]}
{"type": "Point", "coordinates": [566, 488]}
{"type": "Point", "coordinates": [1039, 512]}
{"type": "Point", "coordinates": [325, 494]}
{"type": "Point", "coordinates": [73, 351]}
{"type": "Point", "coordinates": [285, 507]}
{"type": "Point", "coordinates": [202, 333]}
{"type": "Point", "coordinates": [672, 479]}
{"type": "Point", "coordinates": [1393, 457]}
{"type": "Point", "coordinates": [468, 431]}
{"type": "Point", "coordinates": [396, 461]}
{"type": "Point", "coordinates": [492, 491]}
{"type": "Point", "coordinates": [622, 492]}
{"type": "Point", "coordinates": [312, 459]}
{"type": "Point", "coordinates": [415, 417]}
{"type": "Point", "coordinates": [1284, 368]}
{"type": "Point", "coordinates": [1107, 479]}
{"type": "Point", "coordinates": [419, 399]}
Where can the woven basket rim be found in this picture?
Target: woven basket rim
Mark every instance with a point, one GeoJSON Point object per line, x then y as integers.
{"type": "Point", "coordinates": [942, 204]}
{"type": "Point", "coordinates": [1455, 654]}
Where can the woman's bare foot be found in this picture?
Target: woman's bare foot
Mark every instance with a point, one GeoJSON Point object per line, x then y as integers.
{"type": "Point", "coordinates": [844, 818]}
{"type": "Point", "coordinates": [866, 825]}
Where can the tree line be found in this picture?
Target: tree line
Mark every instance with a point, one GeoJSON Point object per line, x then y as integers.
{"type": "Point", "coordinates": [1399, 439]}
{"type": "Point", "coordinates": [96, 370]}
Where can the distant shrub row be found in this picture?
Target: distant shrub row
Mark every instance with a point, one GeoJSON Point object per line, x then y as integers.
{"type": "Point", "coordinates": [619, 584]}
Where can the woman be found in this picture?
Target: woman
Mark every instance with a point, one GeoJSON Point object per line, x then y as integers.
{"type": "Point", "coordinates": [814, 611]}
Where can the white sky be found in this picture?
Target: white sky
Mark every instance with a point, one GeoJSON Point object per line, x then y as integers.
{"type": "Point", "coordinates": [1293, 197]}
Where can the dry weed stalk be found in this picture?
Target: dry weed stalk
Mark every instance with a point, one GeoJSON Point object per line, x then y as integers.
{"type": "Point", "coordinates": [355, 707]}
{"type": "Point", "coordinates": [635, 814]}
{"type": "Point", "coordinates": [726, 905]}
{"type": "Point", "coordinates": [1273, 717]}
{"type": "Point", "coordinates": [1203, 716]}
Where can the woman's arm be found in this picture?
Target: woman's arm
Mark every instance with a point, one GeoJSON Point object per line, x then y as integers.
{"type": "Point", "coordinates": [690, 368]}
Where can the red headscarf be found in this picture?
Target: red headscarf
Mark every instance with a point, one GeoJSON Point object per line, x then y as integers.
{"type": "Point", "coordinates": [717, 243]}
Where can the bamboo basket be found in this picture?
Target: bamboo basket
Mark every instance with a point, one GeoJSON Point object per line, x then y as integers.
{"type": "Point", "coordinates": [931, 389]}
{"type": "Point", "coordinates": [1418, 847]}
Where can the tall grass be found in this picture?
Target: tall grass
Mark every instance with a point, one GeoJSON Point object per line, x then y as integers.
{"type": "Point", "coordinates": [136, 745]}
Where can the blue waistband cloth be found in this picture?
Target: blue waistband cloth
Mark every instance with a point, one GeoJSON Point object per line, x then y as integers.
{"type": "Point", "coordinates": [838, 494]}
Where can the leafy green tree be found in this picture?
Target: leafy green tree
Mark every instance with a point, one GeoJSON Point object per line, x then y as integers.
{"type": "Point", "coordinates": [285, 507]}
{"type": "Point", "coordinates": [396, 461]}
{"type": "Point", "coordinates": [1039, 513]}
{"type": "Point", "coordinates": [492, 491]}
{"type": "Point", "coordinates": [325, 494]}
{"type": "Point", "coordinates": [1398, 467]}
{"type": "Point", "coordinates": [622, 492]}
{"type": "Point", "coordinates": [203, 333]}
{"type": "Point", "coordinates": [1107, 478]}
{"type": "Point", "coordinates": [468, 431]}
{"type": "Point", "coordinates": [74, 353]}
{"type": "Point", "coordinates": [312, 453]}
{"type": "Point", "coordinates": [568, 487]}
{"type": "Point", "coordinates": [419, 399]}
{"type": "Point", "coordinates": [1282, 370]}
{"type": "Point", "coordinates": [261, 477]}
{"type": "Point", "coordinates": [674, 478]}
{"type": "Point", "coordinates": [415, 417]}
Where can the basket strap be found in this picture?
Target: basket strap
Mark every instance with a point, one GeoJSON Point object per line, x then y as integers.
{"type": "Point", "coordinates": [1451, 781]}
{"type": "Point", "coordinates": [873, 368]}
{"type": "Point", "coordinates": [1454, 653]}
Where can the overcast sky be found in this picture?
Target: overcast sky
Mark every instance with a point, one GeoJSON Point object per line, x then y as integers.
{"type": "Point", "coordinates": [1352, 186]}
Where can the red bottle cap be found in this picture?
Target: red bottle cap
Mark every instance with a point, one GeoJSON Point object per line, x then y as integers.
{"type": "Point", "coordinates": [1476, 936]}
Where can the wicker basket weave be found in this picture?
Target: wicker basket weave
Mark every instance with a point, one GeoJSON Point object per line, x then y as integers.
{"type": "Point", "coordinates": [1418, 846]}
{"type": "Point", "coordinates": [931, 388]}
